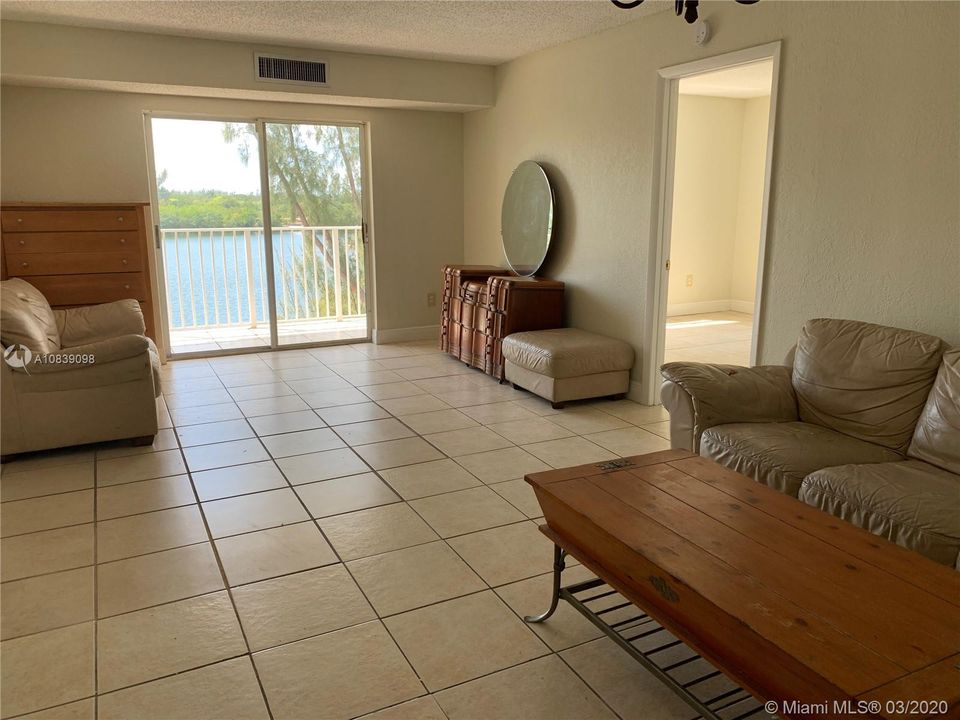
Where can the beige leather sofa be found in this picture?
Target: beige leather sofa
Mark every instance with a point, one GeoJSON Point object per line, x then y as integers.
{"type": "Point", "coordinates": [93, 374]}
{"type": "Point", "coordinates": [865, 425]}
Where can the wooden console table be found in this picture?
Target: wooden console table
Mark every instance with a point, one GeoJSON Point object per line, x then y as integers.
{"type": "Point", "coordinates": [798, 608]}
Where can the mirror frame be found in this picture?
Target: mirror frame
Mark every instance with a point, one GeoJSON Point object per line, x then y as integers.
{"type": "Point", "coordinates": [550, 229]}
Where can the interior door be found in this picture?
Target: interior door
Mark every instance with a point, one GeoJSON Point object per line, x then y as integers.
{"type": "Point", "coordinates": [314, 173]}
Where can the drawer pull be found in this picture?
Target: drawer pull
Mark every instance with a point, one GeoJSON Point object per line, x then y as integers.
{"type": "Point", "coordinates": [126, 287]}
{"type": "Point", "coordinates": [22, 242]}
{"type": "Point", "coordinates": [123, 261]}
{"type": "Point", "coordinates": [119, 218]}
{"type": "Point", "coordinates": [123, 240]}
{"type": "Point", "coordinates": [23, 264]}
{"type": "Point", "coordinates": [19, 220]}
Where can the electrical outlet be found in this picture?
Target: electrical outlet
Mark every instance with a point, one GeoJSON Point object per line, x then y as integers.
{"type": "Point", "coordinates": [689, 280]}
{"type": "Point", "coordinates": [431, 299]}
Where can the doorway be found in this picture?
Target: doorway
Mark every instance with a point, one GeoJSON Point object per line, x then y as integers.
{"type": "Point", "coordinates": [242, 269]}
{"type": "Point", "coordinates": [712, 212]}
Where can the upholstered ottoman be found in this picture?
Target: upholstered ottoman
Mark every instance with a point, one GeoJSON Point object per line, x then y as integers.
{"type": "Point", "coordinates": [567, 364]}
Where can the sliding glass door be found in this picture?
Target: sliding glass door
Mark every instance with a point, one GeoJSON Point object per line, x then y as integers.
{"type": "Point", "coordinates": [235, 282]}
{"type": "Point", "coordinates": [316, 212]}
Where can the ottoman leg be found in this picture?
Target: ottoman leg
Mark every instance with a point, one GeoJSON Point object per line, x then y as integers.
{"type": "Point", "coordinates": [557, 405]}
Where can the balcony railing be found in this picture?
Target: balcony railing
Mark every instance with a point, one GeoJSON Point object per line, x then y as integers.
{"type": "Point", "coordinates": [216, 277]}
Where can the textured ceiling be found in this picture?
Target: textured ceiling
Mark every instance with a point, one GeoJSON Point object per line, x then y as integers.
{"type": "Point", "coordinates": [743, 81]}
{"type": "Point", "coordinates": [476, 31]}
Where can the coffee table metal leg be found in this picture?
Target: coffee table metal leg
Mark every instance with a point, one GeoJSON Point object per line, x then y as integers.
{"type": "Point", "coordinates": [559, 555]}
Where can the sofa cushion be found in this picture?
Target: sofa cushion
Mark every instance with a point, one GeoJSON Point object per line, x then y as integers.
{"type": "Point", "coordinates": [866, 381]}
{"type": "Point", "coordinates": [26, 318]}
{"type": "Point", "coordinates": [937, 437]}
{"type": "Point", "coordinates": [912, 503]}
{"type": "Point", "coordinates": [567, 352]}
{"type": "Point", "coordinates": [781, 455]}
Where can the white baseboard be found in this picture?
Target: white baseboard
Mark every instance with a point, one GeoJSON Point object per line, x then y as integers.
{"type": "Point", "coordinates": [395, 335]}
{"type": "Point", "coordinates": [635, 392]}
{"type": "Point", "coordinates": [709, 306]}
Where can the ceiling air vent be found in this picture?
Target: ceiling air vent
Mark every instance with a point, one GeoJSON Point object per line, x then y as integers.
{"type": "Point", "coordinates": [290, 70]}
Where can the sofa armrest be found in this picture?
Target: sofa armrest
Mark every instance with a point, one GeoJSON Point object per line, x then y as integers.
{"type": "Point", "coordinates": [91, 323]}
{"type": "Point", "coordinates": [705, 395]}
{"type": "Point", "coordinates": [95, 353]}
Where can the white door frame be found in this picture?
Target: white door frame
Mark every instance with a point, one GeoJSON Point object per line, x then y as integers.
{"type": "Point", "coordinates": [158, 279]}
{"type": "Point", "coordinates": [662, 211]}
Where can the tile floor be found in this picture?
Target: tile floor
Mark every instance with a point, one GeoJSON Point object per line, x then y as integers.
{"type": "Point", "coordinates": [327, 533]}
{"type": "Point", "coordinates": [722, 337]}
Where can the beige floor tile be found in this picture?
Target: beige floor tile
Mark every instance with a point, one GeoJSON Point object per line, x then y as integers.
{"type": "Point", "coordinates": [413, 404]}
{"type": "Point", "coordinates": [302, 443]}
{"type": "Point", "coordinates": [369, 532]}
{"type": "Point", "coordinates": [498, 413]}
{"type": "Point", "coordinates": [422, 708]}
{"type": "Point", "coordinates": [322, 672]}
{"type": "Point", "coordinates": [375, 377]}
{"type": "Point", "coordinates": [544, 689]}
{"type": "Point", "coordinates": [332, 398]}
{"type": "Point", "coordinates": [165, 439]}
{"type": "Point", "coordinates": [79, 710]}
{"type": "Point", "coordinates": [307, 372]}
{"type": "Point", "coordinates": [634, 413]}
{"type": "Point", "coordinates": [629, 441]}
{"type": "Point", "coordinates": [520, 494]}
{"type": "Point", "coordinates": [479, 395]}
{"type": "Point", "coordinates": [467, 441]}
{"type": "Point", "coordinates": [249, 513]}
{"type": "Point", "coordinates": [464, 511]}
{"type": "Point", "coordinates": [499, 465]}
{"type": "Point", "coordinates": [289, 359]}
{"type": "Point", "coordinates": [140, 534]}
{"type": "Point", "coordinates": [537, 405]}
{"type": "Point", "coordinates": [462, 639]}
{"type": "Point", "coordinates": [661, 428]}
{"type": "Point", "coordinates": [257, 377]}
{"type": "Point", "coordinates": [193, 398]}
{"type": "Point", "coordinates": [227, 689]}
{"type": "Point", "coordinates": [356, 366]}
{"type": "Point", "coordinates": [225, 454]}
{"type": "Point", "coordinates": [46, 513]}
{"type": "Point", "coordinates": [270, 553]}
{"type": "Point", "coordinates": [286, 422]}
{"type": "Point", "coordinates": [157, 578]}
{"type": "Point", "coordinates": [144, 496]}
{"type": "Point", "coordinates": [46, 552]}
{"type": "Point", "coordinates": [49, 668]}
{"type": "Point", "coordinates": [569, 452]}
{"type": "Point", "coordinates": [429, 478]}
{"type": "Point", "coordinates": [148, 644]}
{"type": "Point", "coordinates": [506, 554]}
{"type": "Point", "coordinates": [293, 607]}
{"type": "Point", "coordinates": [47, 459]}
{"type": "Point", "coordinates": [413, 577]}
{"type": "Point", "coordinates": [395, 453]}
{"type": "Point", "coordinates": [139, 467]}
{"type": "Point", "coordinates": [271, 405]}
{"type": "Point", "coordinates": [300, 469]}
{"type": "Point", "coordinates": [46, 481]}
{"type": "Point", "coordinates": [346, 494]}
{"type": "Point", "coordinates": [438, 421]}
{"type": "Point", "coordinates": [307, 386]}
{"type": "Point", "coordinates": [216, 432]}
{"type": "Point", "coordinates": [587, 420]}
{"type": "Point", "coordinates": [238, 480]}
{"type": "Point", "coordinates": [452, 383]}
{"type": "Point", "coordinates": [421, 372]}
{"type": "Point", "coordinates": [256, 392]}
{"type": "Point", "coordinates": [206, 414]}
{"type": "Point", "coordinates": [390, 391]}
{"type": "Point", "coordinates": [624, 684]}
{"type": "Point", "coordinates": [360, 412]}
{"type": "Point", "coordinates": [373, 431]}
{"type": "Point", "coordinates": [566, 627]}
{"type": "Point", "coordinates": [46, 602]}
{"type": "Point", "coordinates": [527, 431]}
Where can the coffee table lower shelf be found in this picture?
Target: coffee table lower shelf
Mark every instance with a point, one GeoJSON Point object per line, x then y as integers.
{"type": "Point", "coordinates": [707, 690]}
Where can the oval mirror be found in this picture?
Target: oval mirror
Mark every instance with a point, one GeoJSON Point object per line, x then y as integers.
{"type": "Point", "coordinates": [526, 219]}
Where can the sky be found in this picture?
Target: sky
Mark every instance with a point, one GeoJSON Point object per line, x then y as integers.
{"type": "Point", "coordinates": [195, 156]}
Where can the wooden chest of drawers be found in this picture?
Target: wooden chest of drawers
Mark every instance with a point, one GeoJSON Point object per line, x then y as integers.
{"type": "Point", "coordinates": [80, 254]}
{"type": "Point", "coordinates": [482, 306]}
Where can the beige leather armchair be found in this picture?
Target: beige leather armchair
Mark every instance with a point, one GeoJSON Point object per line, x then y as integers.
{"type": "Point", "coordinates": [865, 425]}
{"type": "Point", "coordinates": [92, 375]}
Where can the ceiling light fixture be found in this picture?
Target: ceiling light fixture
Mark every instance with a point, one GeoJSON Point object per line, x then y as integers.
{"type": "Point", "coordinates": [687, 8]}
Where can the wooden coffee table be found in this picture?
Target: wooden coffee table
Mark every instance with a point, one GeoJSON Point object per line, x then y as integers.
{"type": "Point", "coordinates": [794, 605]}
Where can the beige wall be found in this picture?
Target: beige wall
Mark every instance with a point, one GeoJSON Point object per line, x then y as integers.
{"type": "Point", "coordinates": [66, 145]}
{"type": "Point", "coordinates": [746, 244]}
{"type": "Point", "coordinates": [864, 213]}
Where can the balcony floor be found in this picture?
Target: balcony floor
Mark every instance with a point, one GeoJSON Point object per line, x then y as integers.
{"type": "Point", "coordinates": [214, 339]}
